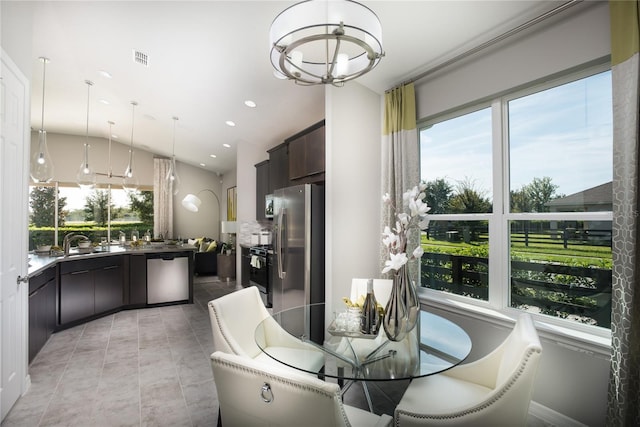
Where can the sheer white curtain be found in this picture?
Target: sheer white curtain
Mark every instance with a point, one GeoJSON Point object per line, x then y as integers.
{"type": "Point", "coordinates": [624, 381]}
{"type": "Point", "coordinates": [400, 154]}
{"type": "Point", "coordinates": [162, 199]}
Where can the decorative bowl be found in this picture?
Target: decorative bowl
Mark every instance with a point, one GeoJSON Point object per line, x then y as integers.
{"type": "Point", "coordinates": [43, 248]}
{"type": "Point", "coordinates": [84, 244]}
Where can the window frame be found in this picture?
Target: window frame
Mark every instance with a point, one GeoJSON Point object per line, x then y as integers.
{"type": "Point", "coordinates": [497, 309]}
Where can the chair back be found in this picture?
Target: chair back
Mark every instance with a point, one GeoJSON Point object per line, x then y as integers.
{"type": "Point", "coordinates": [381, 289]}
{"type": "Point", "coordinates": [254, 394]}
{"type": "Point", "coordinates": [234, 318]}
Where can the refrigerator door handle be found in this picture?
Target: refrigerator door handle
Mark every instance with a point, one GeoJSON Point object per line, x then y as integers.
{"type": "Point", "coordinates": [279, 247]}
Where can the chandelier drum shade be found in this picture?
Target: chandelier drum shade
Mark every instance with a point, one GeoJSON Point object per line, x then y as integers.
{"type": "Point", "coordinates": [41, 167]}
{"type": "Point", "coordinates": [325, 42]}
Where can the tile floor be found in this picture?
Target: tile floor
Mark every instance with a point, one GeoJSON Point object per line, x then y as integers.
{"type": "Point", "coordinates": [147, 367]}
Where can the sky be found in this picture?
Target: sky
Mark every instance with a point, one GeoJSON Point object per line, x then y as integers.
{"type": "Point", "coordinates": [564, 133]}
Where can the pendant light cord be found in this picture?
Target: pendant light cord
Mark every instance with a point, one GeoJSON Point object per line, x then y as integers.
{"type": "Point", "coordinates": [44, 71]}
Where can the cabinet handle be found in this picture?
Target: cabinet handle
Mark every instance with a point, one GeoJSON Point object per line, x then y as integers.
{"type": "Point", "coordinates": [111, 267]}
{"type": "Point", "coordinates": [79, 272]}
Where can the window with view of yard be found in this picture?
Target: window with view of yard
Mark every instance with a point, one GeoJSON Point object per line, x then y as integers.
{"type": "Point", "coordinates": [86, 212]}
{"type": "Point", "coordinates": [521, 196]}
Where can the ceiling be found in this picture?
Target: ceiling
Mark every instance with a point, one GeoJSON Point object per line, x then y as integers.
{"type": "Point", "coordinates": [205, 58]}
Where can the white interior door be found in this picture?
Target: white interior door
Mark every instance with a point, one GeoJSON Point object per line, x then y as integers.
{"type": "Point", "coordinates": [14, 149]}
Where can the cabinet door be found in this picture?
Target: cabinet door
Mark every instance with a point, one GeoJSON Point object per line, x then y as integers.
{"type": "Point", "coordinates": [278, 168]}
{"type": "Point", "coordinates": [315, 151]}
{"type": "Point", "coordinates": [49, 308]}
{"type": "Point", "coordinates": [262, 188]}
{"type": "Point", "coordinates": [137, 279]}
{"type": "Point", "coordinates": [108, 288]}
{"type": "Point", "coordinates": [36, 335]}
{"type": "Point", "coordinates": [76, 295]}
{"type": "Point", "coordinates": [297, 158]}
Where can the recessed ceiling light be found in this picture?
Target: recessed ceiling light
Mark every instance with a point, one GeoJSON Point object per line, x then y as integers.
{"type": "Point", "coordinates": [202, 164]}
{"type": "Point", "coordinates": [114, 136]}
{"type": "Point", "coordinates": [104, 101]}
{"type": "Point", "coordinates": [213, 156]}
{"type": "Point", "coordinates": [230, 123]}
{"type": "Point", "coordinates": [105, 74]}
{"type": "Point", "coordinates": [249, 103]}
{"type": "Point", "coordinates": [226, 145]}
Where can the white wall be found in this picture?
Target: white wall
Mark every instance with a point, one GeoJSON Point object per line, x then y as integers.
{"type": "Point", "coordinates": [353, 135]}
{"type": "Point", "coordinates": [205, 222]}
{"type": "Point", "coordinates": [572, 378]}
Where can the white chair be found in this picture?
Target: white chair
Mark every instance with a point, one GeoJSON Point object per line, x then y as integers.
{"type": "Point", "coordinates": [254, 394]}
{"type": "Point", "coordinates": [234, 319]}
{"type": "Point", "coordinates": [492, 391]}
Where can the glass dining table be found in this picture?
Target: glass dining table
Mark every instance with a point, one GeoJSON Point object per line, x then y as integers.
{"type": "Point", "coordinates": [434, 345]}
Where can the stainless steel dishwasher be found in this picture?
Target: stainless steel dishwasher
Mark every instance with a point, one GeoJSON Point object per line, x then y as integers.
{"type": "Point", "coordinates": [167, 277]}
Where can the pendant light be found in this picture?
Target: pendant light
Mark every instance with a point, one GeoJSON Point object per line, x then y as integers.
{"type": "Point", "coordinates": [129, 179]}
{"type": "Point", "coordinates": [86, 177]}
{"type": "Point", "coordinates": [173, 180]}
{"type": "Point", "coordinates": [41, 168]}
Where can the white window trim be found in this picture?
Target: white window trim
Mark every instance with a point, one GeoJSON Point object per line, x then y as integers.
{"type": "Point", "coordinates": [585, 338]}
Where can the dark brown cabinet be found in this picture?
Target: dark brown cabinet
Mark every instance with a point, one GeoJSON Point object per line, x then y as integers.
{"type": "Point", "coordinates": [137, 279]}
{"type": "Point", "coordinates": [262, 188]}
{"type": "Point", "coordinates": [279, 167]}
{"type": "Point", "coordinates": [89, 287]}
{"type": "Point", "coordinates": [42, 310]}
{"type": "Point", "coordinates": [307, 156]}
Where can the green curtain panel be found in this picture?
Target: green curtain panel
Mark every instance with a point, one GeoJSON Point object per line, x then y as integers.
{"type": "Point", "coordinates": [400, 153]}
{"type": "Point", "coordinates": [624, 383]}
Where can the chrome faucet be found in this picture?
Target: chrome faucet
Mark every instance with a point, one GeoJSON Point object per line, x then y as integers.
{"type": "Point", "coordinates": [70, 237]}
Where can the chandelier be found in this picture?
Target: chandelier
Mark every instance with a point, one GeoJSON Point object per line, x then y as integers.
{"type": "Point", "coordinates": [325, 42]}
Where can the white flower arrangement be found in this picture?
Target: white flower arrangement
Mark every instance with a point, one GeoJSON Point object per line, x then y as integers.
{"type": "Point", "coordinates": [395, 239]}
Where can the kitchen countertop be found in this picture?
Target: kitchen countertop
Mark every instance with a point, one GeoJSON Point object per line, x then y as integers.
{"type": "Point", "coordinates": [39, 262]}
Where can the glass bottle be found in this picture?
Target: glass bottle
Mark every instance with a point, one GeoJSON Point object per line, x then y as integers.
{"type": "Point", "coordinates": [370, 318]}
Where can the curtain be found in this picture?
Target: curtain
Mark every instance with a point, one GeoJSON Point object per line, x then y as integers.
{"type": "Point", "coordinates": [624, 383]}
{"type": "Point", "coordinates": [162, 199]}
{"type": "Point", "coordinates": [400, 156]}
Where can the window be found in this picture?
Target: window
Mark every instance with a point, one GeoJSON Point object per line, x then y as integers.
{"type": "Point", "coordinates": [87, 212]}
{"type": "Point", "coordinates": [521, 197]}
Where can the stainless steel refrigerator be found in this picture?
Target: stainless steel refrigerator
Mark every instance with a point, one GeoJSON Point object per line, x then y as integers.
{"type": "Point", "coordinates": [299, 255]}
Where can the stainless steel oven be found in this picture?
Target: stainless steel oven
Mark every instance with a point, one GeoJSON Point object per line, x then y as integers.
{"type": "Point", "coordinates": [259, 270]}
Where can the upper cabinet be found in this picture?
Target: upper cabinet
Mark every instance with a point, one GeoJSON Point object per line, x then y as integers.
{"type": "Point", "coordinates": [307, 155]}
{"type": "Point", "coordinates": [263, 187]}
{"type": "Point", "coordinates": [279, 167]}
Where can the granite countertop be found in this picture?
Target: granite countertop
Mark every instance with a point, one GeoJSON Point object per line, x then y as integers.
{"type": "Point", "coordinates": [39, 262]}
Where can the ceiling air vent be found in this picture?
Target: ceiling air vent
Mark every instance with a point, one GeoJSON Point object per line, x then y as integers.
{"type": "Point", "coordinates": [140, 58]}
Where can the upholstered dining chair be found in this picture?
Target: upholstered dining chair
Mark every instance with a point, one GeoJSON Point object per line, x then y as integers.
{"type": "Point", "coordinates": [234, 320]}
{"type": "Point", "coordinates": [254, 394]}
{"type": "Point", "coordinates": [492, 391]}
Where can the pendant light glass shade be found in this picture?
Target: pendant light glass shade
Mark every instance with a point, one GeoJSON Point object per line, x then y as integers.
{"type": "Point", "coordinates": [129, 179]}
{"type": "Point", "coordinates": [86, 176]}
{"type": "Point", "coordinates": [173, 180]}
{"type": "Point", "coordinates": [41, 168]}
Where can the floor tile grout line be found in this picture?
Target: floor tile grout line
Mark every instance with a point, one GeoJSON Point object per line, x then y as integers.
{"type": "Point", "coordinates": [66, 366]}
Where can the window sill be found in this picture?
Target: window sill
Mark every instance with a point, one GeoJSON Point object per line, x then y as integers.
{"type": "Point", "coordinates": [578, 339]}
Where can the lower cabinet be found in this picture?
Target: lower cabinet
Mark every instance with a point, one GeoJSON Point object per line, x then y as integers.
{"type": "Point", "coordinates": [89, 287]}
{"type": "Point", "coordinates": [42, 310]}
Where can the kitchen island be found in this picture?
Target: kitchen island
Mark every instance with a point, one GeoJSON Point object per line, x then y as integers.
{"type": "Point", "coordinates": [66, 291]}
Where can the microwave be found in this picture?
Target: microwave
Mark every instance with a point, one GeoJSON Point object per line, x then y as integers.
{"type": "Point", "coordinates": [268, 206]}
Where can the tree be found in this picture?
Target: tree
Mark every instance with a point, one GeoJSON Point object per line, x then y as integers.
{"type": "Point", "coordinates": [42, 202]}
{"type": "Point", "coordinates": [142, 203]}
{"type": "Point", "coordinates": [539, 192]}
{"type": "Point", "coordinates": [468, 199]}
{"type": "Point", "coordinates": [438, 194]}
{"type": "Point", "coordinates": [96, 207]}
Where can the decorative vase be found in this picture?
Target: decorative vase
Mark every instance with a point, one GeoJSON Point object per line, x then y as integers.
{"type": "Point", "coordinates": [395, 313]}
{"type": "Point", "coordinates": [402, 310]}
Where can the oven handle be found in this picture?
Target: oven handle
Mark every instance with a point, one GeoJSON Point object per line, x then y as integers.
{"type": "Point", "coordinates": [279, 248]}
